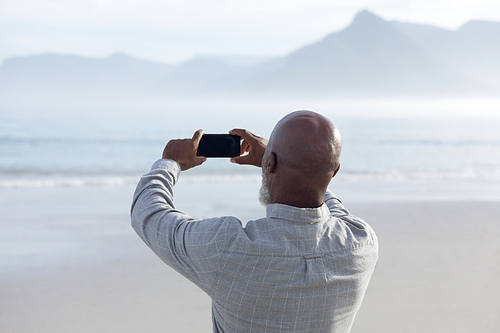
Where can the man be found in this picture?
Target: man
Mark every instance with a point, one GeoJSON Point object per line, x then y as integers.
{"type": "Point", "coordinates": [304, 267]}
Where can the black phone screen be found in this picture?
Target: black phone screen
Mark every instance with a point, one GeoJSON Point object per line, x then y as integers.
{"type": "Point", "coordinates": [219, 145]}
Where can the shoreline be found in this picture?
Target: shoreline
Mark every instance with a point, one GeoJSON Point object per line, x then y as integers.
{"type": "Point", "coordinates": [72, 263]}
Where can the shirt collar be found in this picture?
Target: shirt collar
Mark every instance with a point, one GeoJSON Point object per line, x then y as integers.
{"type": "Point", "coordinates": [296, 214]}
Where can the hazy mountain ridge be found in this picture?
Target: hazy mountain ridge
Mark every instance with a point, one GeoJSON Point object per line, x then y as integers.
{"type": "Point", "coordinates": [370, 57]}
{"type": "Point", "coordinates": [52, 71]}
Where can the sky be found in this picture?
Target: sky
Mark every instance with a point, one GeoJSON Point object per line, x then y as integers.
{"type": "Point", "coordinates": [175, 31]}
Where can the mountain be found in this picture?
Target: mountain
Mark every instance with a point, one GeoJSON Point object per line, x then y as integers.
{"type": "Point", "coordinates": [474, 49]}
{"type": "Point", "coordinates": [68, 72]}
{"type": "Point", "coordinates": [370, 57]}
{"type": "Point", "coordinates": [380, 58]}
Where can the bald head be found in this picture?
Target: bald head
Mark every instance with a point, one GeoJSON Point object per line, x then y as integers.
{"type": "Point", "coordinates": [301, 158]}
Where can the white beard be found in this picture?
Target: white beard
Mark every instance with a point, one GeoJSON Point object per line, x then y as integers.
{"type": "Point", "coordinates": [264, 196]}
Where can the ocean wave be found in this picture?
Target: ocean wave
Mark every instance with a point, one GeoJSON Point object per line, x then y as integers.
{"type": "Point", "coordinates": [40, 140]}
{"type": "Point", "coordinates": [480, 174]}
{"type": "Point", "coordinates": [142, 141]}
{"type": "Point", "coordinates": [76, 181]}
{"type": "Point", "coordinates": [73, 180]}
{"type": "Point", "coordinates": [64, 182]}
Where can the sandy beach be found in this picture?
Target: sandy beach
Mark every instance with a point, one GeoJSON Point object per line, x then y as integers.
{"type": "Point", "coordinates": [70, 262]}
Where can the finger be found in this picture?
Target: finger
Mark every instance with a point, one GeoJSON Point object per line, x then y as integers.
{"type": "Point", "coordinates": [236, 159]}
{"type": "Point", "coordinates": [248, 139]}
{"type": "Point", "coordinates": [245, 147]}
{"type": "Point", "coordinates": [236, 131]}
{"type": "Point", "coordinates": [197, 137]}
{"type": "Point", "coordinates": [200, 160]}
{"type": "Point", "coordinates": [246, 135]}
{"type": "Point", "coordinates": [245, 159]}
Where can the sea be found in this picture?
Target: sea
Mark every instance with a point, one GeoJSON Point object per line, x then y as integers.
{"type": "Point", "coordinates": [396, 154]}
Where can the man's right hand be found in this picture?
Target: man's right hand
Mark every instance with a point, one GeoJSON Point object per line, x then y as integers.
{"type": "Point", "coordinates": [184, 151]}
{"type": "Point", "coordinates": [252, 144]}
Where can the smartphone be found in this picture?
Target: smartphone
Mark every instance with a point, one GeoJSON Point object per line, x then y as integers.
{"type": "Point", "coordinates": [219, 145]}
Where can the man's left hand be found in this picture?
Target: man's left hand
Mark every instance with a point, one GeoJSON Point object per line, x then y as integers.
{"type": "Point", "coordinates": [183, 151]}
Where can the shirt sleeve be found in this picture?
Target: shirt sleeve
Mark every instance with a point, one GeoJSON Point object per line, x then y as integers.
{"type": "Point", "coordinates": [359, 229]}
{"type": "Point", "coordinates": [188, 245]}
{"type": "Point", "coordinates": [334, 204]}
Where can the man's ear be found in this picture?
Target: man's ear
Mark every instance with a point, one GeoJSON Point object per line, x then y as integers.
{"type": "Point", "coordinates": [336, 170]}
{"type": "Point", "coordinates": [272, 162]}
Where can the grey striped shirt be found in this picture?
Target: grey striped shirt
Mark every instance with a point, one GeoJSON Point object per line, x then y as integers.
{"type": "Point", "coordinates": [296, 270]}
